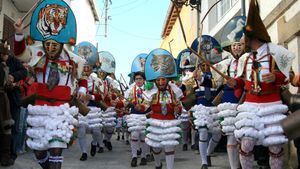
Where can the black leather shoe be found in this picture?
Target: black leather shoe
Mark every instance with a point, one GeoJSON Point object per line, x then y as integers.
{"type": "Point", "coordinates": [93, 149]}
{"type": "Point", "coordinates": [45, 165]}
{"type": "Point", "coordinates": [193, 146]}
{"type": "Point", "coordinates": [123, 138]}
{"type": "Point", "coordinates": [109, 146]}
{"type": "Point", "coordinates": [101, 150]}
{"type": "Point", "coordinates": [8, 162]}
{"type": "Point", "coordinates": [208, 161]}
{"type": "Point", "coordinates": [143, 161]}
{"type": "Point", "coordinates": [127, 142]}
{"type": "Point", "coordinates": [118, 138]}
{"type": "Point", "coordinates": [134, 162]}
{"type": "Point", "coordinates": [159, 167]}
{"type": "Point", "coordinates": [204, 166]}
{"type": "Point", "coordinates": [83, 157]}
{"type": "Point", "coordinates": [185, 147]}
{"type": "Point", "coordinates": [150, 158]}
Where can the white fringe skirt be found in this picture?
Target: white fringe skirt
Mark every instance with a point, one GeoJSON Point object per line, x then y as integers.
{"type": "Point", "coordinates": [50, 126]}
{"type": "Point", "coordinates": [163, 133]}
{"type": "Point", "coordinates": [227, 115]}
{"type": "Point", "coordinates": [261, 121]}
{"type": "Point", "coordinates": [92, 120]}
{"type": "Point", "coordinates": [206, 117]}
{"type": "Point", "coordinates": [136, 122]}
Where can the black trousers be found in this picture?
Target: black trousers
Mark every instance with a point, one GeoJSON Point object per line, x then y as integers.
{"type": "Point", "coordinates": [5, 140]}
{"type": "Point", "coordinates": [15, 131]}
{"type": "Point", "coordinates": [297, 145]}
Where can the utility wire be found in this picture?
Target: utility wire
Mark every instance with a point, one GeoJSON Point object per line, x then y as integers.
{"type": "Point", "coordinates": [133, 35]}
{"type": "Point", "coordinates": [101, 17]}
{"type": "Point", "coordinates": [124, 5]}
{"type": "Point", "coordinates": [130, 9]}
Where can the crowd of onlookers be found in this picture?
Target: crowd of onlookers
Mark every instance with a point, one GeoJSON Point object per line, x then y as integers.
{"type": "Point", "coordinates": [14, 83]}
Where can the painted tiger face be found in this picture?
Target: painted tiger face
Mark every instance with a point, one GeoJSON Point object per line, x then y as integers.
{"type": "Point", "coordinates": [163, 64]}
{"type": "Point", "coordinates": [52, 19]}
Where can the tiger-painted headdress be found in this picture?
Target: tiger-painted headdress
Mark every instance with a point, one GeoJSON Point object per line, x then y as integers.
{"type": "Point", "coordinates": [53, 20]}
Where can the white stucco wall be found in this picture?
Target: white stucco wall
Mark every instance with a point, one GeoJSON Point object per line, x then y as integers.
{"type": "Point", "coordinates": [272, 30]}
{"type": "Point", "coordinates": [294, 9]}
{"type": "Point", "coordinates": [86, 25]}
{"type": "Point", "coordinates": [293, 46]}
{"type": "Point", "coordinates": [288, 14]}
{"type": "Point", "coordinates": [267, 6]}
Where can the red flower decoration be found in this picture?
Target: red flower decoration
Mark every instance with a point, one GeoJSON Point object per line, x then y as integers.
{"type": "Point", "coordinates": [40, 53]}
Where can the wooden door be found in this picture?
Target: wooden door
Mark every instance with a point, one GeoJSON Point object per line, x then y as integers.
{"type": "Point", "coordinates": [8, 31]}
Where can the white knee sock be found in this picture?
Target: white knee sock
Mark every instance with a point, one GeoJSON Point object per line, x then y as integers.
{"type": "Point", "coordinates": [82, 139]}
{"type": "Point", "coordinates": [216, 136]}
{"type": "Point", "coordinates": [100, 141]}
{"type": "Point", "coordinates": [96, 132]}
{"type": "Point", "coordinates": [170, 157]}
{"type": "Point", "coordinates": [147, 149]}
{"type": "Point", "coordinates": [134, 143]}
{"type": "Point", "coordinates": [193, 136]}
{"type": "Point", "coordinates": [276, 160]}
{"type": "Point", "coordinates": [118, 131]}
{"type": "Point", "coordinates": [157, 156]}
{"type": "Point", "coordinates": [82, 144]}
{"type": "Point", "coordinates": [247, 146]}
{"type": "Point", "coordinates": [108, 133]}
{"type": "Point", "coordinates": [203, 136]}
{"type": "Point", "coordinates": [232, 151]}
{"type": "Point", "coordinates": [144, 146]}
{"type": "Point", "coordinates": [185, 131]}
{"type": "Point", "coordinates": [123, 131]}
{"type": "Point", "coordinates": [127, 135]}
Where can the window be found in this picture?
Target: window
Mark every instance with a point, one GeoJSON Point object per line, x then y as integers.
{"type": "Point", "coordinates": [224, 6]}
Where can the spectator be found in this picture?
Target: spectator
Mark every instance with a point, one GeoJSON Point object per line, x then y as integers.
{"type": "Point", "coordinates": [27, 88]}
{"type": "Point", "coordinates": [16, 73]}
{"type": "Point", "coordinates": [5, 117]}
{"type": "Point", "coordinates": [295, 81]}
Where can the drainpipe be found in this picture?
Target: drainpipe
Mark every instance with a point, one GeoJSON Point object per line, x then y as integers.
{"type": "Point", "coordinates": [243, 8]}
{"type": "Point", "coordinates": [198, 19]}
{"type": "Point", "coordinates": [199, 27]}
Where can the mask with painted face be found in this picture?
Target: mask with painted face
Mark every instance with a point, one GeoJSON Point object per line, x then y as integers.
{"type": "Point", "coordinates": [161, 83]}
{"type": "Point", "coordinates": [237, 49]}
{"type": "Point", "coordinates": [102, 75]}
{"type": "Point", "coordinates": [87, 70]}
{"type": "Point", "coordinates": [52, 49]}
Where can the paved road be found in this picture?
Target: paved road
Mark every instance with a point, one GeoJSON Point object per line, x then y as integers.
{"type": "Point", "coordinates": [119, 158]}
